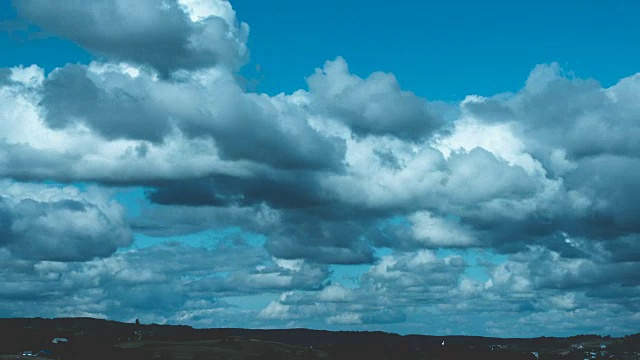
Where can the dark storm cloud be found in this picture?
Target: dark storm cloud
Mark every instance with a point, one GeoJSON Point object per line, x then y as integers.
{"type": "Point", "coordinates": [158, 34]}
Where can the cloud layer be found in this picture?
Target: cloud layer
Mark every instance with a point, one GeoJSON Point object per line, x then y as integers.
{"type": "Point", "coordinates": [523, 207]}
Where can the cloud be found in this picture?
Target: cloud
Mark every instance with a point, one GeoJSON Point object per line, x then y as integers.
{"type": "Point", "coordinates": [315, 175]}
{"type": "Point", "coordinates": [335, 293]}
{"type": "Point", "coordinates": [439, 232]}
{"type": "Point", "coordinates": [44, 223]}
{"type": "Point", "coordinates": [575, 116]}
{"type": "Point", "coordinates": [5, 76]}
{"type": "Point", "coordinates": [265, 278]}
{"type": "Point", "coordinates": [390, 289]}
{"type": "Point", "coordinates": [372, 106]}
{"type": "Point", "coordinates": [578, 135]}
{"type": "Point", "coordinates": [520, 206]}
{"type": "Point", "coordinates": [162, 129]}
{"type": "Point", "coordinates": [421, 272]}
{"type": "Point", "coordinates": [330, 242]}
{"type": "Point", "coordinates": [275, 311]}
{"type": "Point", "coordinates": [167, 280]}
{"type": "Point", "coordinates": [540, 268]}
{"type": "Point", "coordinates": [166, 221]}
{"type": "Point", "coordinates": [345, 319]}
{"type": "Point", "coordinates": [167, 36]}
{"type": "Point", "coordinates": [71, 97]}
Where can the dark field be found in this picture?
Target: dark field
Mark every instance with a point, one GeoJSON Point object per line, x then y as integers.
{"type": "Point", "coordinates": [88, 339]}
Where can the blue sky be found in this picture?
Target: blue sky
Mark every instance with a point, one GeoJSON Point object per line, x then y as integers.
{"type": "Point", "coordinates": [442, 51]}
{"type": "Point", "coordinates": [401, 166]}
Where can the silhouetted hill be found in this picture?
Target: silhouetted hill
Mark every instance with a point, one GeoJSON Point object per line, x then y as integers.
{"type": "Point", "coordinates": [104, 339]}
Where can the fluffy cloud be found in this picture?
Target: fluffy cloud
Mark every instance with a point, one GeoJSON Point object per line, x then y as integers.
{"type": "Point", "coordinates": [353, 171]}
{"type": "Point", "coordinates": [46, 223]}
{"type": "Point", "coordinates": [372, 106]}
{"type": "Point", "coordinates": [483, 183]}
{"type": "Point", "coordinates": [167, 35]}
{"type": "Point", "coordinates": [338, 242]}
{"type": "Point", "coordinates": [166, 281]}
{"type": "Point", "coordinates": [437, 232]}
{"type": "Point", "coordinates": [102, 121]}
{"type": "Point", "coordinates": [71, 97]}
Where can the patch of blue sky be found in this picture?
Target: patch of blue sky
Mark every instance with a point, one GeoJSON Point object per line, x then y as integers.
{"type": "Point", "coordinates": [478, 260]}
{"type": "Point", "coordinates": [397, 220]}
{"type": "Point", "coordinates": [217, 274]}
{"type": "Point", "coordinates": [82, 186]}
{"type": "Point", "coordinates": [252, 302]}
{"type": "Point", "coordinates": [27, 43]}
{"type": "Point", "coordinates": [459, 47]}
{"type": "Point", "coordinates": [133, 199]}
{"type": "Point", "coordinates": [349, 275]}
{"type": "Point", "coordinates": [443, 50]}
{"type": "Point", "coordinates": [382, 251]}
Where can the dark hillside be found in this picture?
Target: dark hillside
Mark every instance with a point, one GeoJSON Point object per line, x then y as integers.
{"type": "Point", "coordinates": [86, 338]}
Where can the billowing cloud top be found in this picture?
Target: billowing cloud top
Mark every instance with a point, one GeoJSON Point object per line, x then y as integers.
{"type": "Point", "coordinates": [353, 203]}
{"type": "Point", "coordinates": [167, 35]}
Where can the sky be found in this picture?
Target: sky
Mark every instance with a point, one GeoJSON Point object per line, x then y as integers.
{"type": "Point", "coordinates": [466, 168]}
